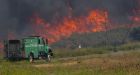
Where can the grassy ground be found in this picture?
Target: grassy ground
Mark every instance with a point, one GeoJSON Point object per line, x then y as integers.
{"type": "Point", "coordinates": [119, 63]}
{"type": "Point", "coordinates": [60, 53]}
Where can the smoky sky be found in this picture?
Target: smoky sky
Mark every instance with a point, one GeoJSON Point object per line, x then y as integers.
{"type": "Point", "coordinates": [15, 14]}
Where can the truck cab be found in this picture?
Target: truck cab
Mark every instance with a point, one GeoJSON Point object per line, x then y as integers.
{"type": "Point", "coordinates": [35, 46]}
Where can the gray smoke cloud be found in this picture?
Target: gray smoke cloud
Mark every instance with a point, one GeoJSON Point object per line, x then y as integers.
{"type": "Point", "coordinates": [15, 14]}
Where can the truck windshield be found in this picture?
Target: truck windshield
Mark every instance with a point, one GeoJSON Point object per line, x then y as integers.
{"type": "Point", "coordinates": [43, 41]}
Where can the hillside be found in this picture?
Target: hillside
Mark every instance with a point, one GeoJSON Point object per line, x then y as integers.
{"type": "Point", "coordinates": [112, 37]}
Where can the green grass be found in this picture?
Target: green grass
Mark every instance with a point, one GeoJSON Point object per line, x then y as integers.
{"type": "Point", "coordinates": [60, 53]}
{"type": "Point", "coordinates": [85, 61]}
{"type": "Point", "coordinates": [79, 52]}
{"type": "Point", "coordinates": [120, 63]}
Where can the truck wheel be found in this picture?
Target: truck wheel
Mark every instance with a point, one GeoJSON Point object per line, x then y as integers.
{"type": "Point", "coordinates": [51, 54]}
{"type": "Point", "coordinates": [49, 57]}
{"type": "Point", "coordinates": [31, 57]}
{"type": "Point", "coordinates": [39, 57]}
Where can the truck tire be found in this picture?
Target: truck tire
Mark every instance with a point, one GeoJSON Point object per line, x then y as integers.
{"type": "Point", "coordinates": [31, 57]}
{"type": "Point", "coordinates": [51, 54]}
{"type": "Point", "coordinates": [39, 57]}
{"type": "Point", "coordinates": [49, 57]}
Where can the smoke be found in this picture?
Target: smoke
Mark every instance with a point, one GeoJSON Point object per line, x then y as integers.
{"type": "Point", "coordinates": [15, 15]}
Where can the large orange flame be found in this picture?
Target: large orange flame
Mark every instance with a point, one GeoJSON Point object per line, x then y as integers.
{"type": "Point", "coordinates": [95, 21]}
{"type": "Point", "coordinates": [136, 18]}
{"type": "Point", "coordinates": [136, 12]}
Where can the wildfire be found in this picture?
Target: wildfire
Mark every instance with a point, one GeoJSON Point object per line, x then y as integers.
{"type": "Point", "coordinates": [136, 18]}
{"type": "Point", "coordinates": [95, 21]}
{"type": "Point", "coordinates": [99, 19]}
{"type": "Point", "coordinates": [1, 45]}
{"type": "Point", "coordinates": [136, 11]}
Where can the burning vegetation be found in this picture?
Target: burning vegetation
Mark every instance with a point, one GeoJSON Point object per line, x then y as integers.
{"type": "Point", "coordinates": [95, 21]}
{"type": "Point", "coordinates": [58, 19]}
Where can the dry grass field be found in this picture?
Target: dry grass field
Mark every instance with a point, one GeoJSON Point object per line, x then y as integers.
{"type": "Point", "coordinates": [119, 63]}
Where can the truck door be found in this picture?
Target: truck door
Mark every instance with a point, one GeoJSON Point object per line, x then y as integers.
{"type": "Point", "coordinates": [41, 44]}
{"type": "Point", "coordinates": [31, 45]}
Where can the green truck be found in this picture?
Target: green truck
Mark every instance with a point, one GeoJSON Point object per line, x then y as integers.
{"type": "Point", "coordinates": [33, 47]}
